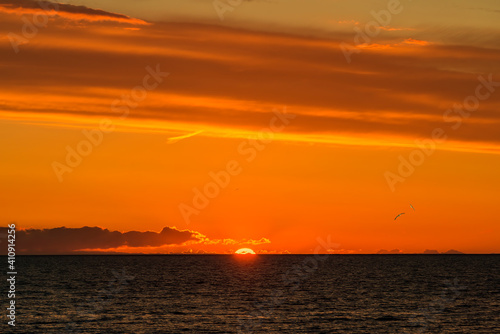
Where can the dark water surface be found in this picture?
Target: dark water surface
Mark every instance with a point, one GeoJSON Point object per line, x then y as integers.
{"type": "Point", "coordinates": [260, 294]}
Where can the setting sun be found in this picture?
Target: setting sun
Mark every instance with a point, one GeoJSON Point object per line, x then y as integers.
{"type": "Point", "coordinates": [244, 251]}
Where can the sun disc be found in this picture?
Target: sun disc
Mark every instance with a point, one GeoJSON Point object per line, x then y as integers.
{"type": "Point", "coordinates": [244, 251]}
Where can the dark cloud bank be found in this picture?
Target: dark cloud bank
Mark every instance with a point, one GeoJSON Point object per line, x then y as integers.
{"type": "Point", "coordinates": [63, 240]}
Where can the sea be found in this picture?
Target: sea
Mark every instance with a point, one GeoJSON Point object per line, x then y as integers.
{"type": "Point", "coordinates": [256, 294]}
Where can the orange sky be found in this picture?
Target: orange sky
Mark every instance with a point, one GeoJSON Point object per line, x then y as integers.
{"type": "Point", "coordinates": [130, 81]}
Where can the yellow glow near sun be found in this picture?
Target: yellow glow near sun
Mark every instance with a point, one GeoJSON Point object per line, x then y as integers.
{"type": "Point", "coordinates": [244, 251]}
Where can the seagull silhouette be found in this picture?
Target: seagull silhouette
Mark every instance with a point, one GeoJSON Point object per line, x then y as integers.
{"type": "Point", "coordinates": [402, 213]}
{"type": "Point", "coordinates": [411, 206]}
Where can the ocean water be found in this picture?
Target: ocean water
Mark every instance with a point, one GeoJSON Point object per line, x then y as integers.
{"type": "Point", "coordinates": [257, 294]}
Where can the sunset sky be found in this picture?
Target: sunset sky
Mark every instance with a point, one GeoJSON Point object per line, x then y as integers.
{"type": "Point", "coordinates": [160, 96]}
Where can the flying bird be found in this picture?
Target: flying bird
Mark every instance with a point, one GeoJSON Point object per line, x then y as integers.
{"type": "Point", "coordinates": [176, 139]}
{"type": "Point", "coordinates": [411, 206]}
{"type": "Point", "coordinates": [402, 213]}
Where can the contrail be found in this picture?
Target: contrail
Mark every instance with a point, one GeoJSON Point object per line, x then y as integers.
{"type": "Point", "coordinates": [176, 139]}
